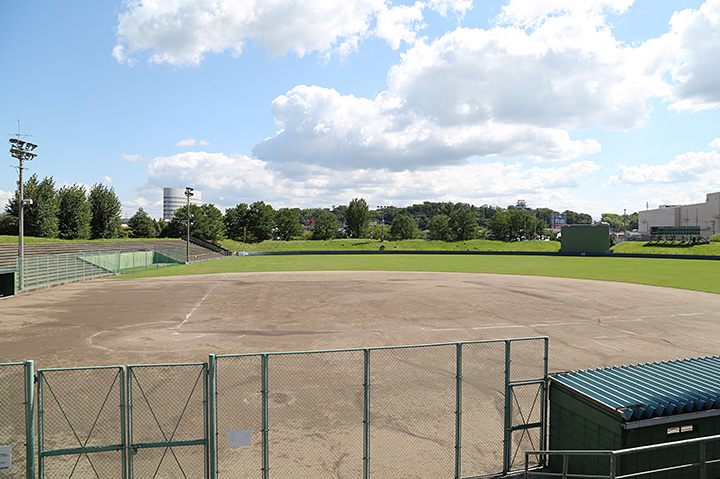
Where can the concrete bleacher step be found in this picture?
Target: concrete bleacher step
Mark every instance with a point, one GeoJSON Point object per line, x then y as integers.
{"type": "Point", "coordinates": [9, 251]}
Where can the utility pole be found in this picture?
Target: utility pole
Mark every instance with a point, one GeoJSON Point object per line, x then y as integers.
{"type": "Point", "coordinates": [188, 193]}
{"type": "Point", "coordinates": [382, 223]}
{"type": "Point", "coordinates": [22, 151]}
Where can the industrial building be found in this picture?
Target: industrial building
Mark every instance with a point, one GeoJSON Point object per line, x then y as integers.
{"type": "Point", "coordinates": [704, 215]}
{"type": "Point", "coordinates": [174, 199]}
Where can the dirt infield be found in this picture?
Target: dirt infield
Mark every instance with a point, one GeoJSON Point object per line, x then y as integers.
{"type": "Point", "coordinates": [183, 319]}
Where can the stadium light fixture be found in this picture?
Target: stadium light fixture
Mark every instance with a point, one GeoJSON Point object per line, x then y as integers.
{"type": "Point", "coordinates": [22, 151]}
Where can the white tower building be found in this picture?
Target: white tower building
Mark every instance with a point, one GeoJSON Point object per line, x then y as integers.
{"type": "Point", "coordinates": [174, 199]}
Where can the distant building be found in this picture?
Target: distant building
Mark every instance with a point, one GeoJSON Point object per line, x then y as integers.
{"type": "Point", "coordinates": [705, 215]}
{"type": "Point", "coordinates": [174, 199]}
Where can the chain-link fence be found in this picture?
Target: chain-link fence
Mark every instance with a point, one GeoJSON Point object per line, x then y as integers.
{"type": "Point", "coordinates": [167, 420]}
{"type": "Point", "coordinates": [453, 410]}
{"type": "Point", "coordinates": [47, 270]}
{"type": "Point", "coordinates": [16, 421]}
{"type": "Point", "coordinates": [447, 410]}
{"type": "Point", "coordinates": [81, 422]}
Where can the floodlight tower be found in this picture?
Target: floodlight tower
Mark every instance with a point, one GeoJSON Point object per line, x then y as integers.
{"type": "Point", "coordinates": [22, 151]}
{"type": "Point", "coordinates": [188, 193]}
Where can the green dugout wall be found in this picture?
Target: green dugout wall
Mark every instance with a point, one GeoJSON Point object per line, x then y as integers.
{"type": "Point", "coordinates": [638, 405]}
{"type": "Point", "coordinates": [7, 282]}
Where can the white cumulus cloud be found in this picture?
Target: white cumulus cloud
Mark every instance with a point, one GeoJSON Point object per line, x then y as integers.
{"type": "Point", "coordinates": [227, 180]}
{"type": "Point", "coordinates": [688, 167]}
{"type": "Point", "coordinates": [183, 32]}
{"type": "Point", "coordinates": [689, 53]}
{"type": "Point", "coordinates": [320, 126]}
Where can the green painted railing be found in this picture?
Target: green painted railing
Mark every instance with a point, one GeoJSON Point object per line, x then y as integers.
{"type": "Point", "coordinates": [700, 466]}
{"type": "Point", "coordinates": [40, 271]}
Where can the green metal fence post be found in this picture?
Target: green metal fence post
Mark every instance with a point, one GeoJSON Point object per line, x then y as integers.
{"type": "Point", "coordinates": [124, 422]}
{"type": "Point", "coordinates": [458, 410]}
{"type": "Point", "coordinates": [265, 422]}
{"type": "Point", "coordinates": [212, 416]}
{"type": "Point", "coordinates": [366, 414]}
{"type": "Point", "coordinates": [703, 459]}
{"type": "Point", "coordinates": [41, 472]}
{"type": "Point", "coordinates": [128, 415]}
{"type": "Point", "coordinates": [544, 403]}
{"type": "Point", "coordinates": [29, 419]}
{"type": "Point", "coordinates": [507, 433]}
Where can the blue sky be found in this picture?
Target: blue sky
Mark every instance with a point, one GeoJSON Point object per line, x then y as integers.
{"type": "Point", "coordinates": [590, 105]}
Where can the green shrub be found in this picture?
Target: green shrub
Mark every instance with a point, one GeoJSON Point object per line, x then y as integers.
{"type": "Point", "coordinates": [715, 238]}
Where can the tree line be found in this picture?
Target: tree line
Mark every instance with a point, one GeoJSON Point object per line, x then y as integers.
{"type": "Point", "coordinates": [72, 212]}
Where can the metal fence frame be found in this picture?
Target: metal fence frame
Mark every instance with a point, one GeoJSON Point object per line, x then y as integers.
{"type": "Point", "coordinates": [26, 408]}
{"type": "Point", "coordinates": [121, 427]}
{"type": "Point", "coordinates": [510, 427]}
{"type": "Point", "coordinates": [614, 455]}
{"type": "Point", "coordinates": [47, 270]}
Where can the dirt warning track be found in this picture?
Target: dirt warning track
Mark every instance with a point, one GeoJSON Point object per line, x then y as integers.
{"type": "Point", "coordinates": [183, 319]}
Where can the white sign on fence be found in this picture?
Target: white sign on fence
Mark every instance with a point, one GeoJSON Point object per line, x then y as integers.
{"type": "Point", "coordinates": [5, 458]}
{"type": "Point", "coordinates": [239, 438]}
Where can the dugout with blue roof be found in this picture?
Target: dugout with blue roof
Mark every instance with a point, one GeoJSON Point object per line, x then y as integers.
{"type": "Point", "coordinates": [623, 407]}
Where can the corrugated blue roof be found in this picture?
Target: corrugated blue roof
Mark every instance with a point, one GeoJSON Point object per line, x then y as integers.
{"type": "Point", "coordinates": [652, 389]}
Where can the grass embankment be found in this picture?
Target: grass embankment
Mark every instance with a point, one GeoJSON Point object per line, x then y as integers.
{"type": "Point", "coordinates": [636, 247]}
{"type": "Point", "coordinates": [697, 275]}
{"type": "Point", "coordinates": [32, 239]}
{"type": "Point", "coordinates": [404, 245]}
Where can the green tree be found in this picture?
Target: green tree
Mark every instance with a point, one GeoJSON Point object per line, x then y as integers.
{"type": "Point", "coordinates": [326, 226]}
{"type": "Point", "coordinates": [440, 228]}
{"type": "Point", "coordinates": [236, 221]}
{"type": "Point", "coordinates": [40, 218]}
{"type": "Point", "coordinates": [621, 222]}
{"type": "Point", "coordinates": [261, 220]}
{"type": "Point", "coordinates": [255, 221]}
{"type": "Point", "coordinates": [210, 226]}
{"type": "Point", "coordinates": [142, 225]}
{"type": "Point", "coordinates": [463, 224]}
{"type": "Point", "coordinates": [357, 218]}
{"type": "Point", "coordinates": [573, 218]}
{"type": "Point", "coordinates": [403, 227]}
{"type": "Point", "coordinates": [206, 223]}
{"type": "Point", "coordinates": [105, 208]}
{"type": "Point", "coordinates": [515, 224]}
{"type": "Point", "coordinates": [74, 214]}
{"type": "Point", "coordinates": [287, 221]}
{"type": "Point", "coordinates": [8, 224]}
{"type": "Point", "coordinates": [161, 227]}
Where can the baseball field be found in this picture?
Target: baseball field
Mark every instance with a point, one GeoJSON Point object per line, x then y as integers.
{"type": "Point", "coordinates": [596, 311]}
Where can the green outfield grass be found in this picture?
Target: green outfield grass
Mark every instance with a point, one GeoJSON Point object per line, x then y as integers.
{"type": "Point", "coordinates": [697, 275]}
{"type": "Point", "coordinates": [364, 244]}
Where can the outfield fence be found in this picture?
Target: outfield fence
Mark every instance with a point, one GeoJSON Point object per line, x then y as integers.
{"type": "Point", "coordinates": [47, 270]}
{"type": "Point", "coordinates": [455, 410]}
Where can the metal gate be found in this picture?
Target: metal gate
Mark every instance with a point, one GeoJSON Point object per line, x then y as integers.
{"type": "Point", "coordinates": [81, 422]}
{"type": "Point", "coordinates": [17, 421]}
{"type": "Point", "coordinates": [525, 403]}
{"type": "Point", "coordinates": [168, 436]}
